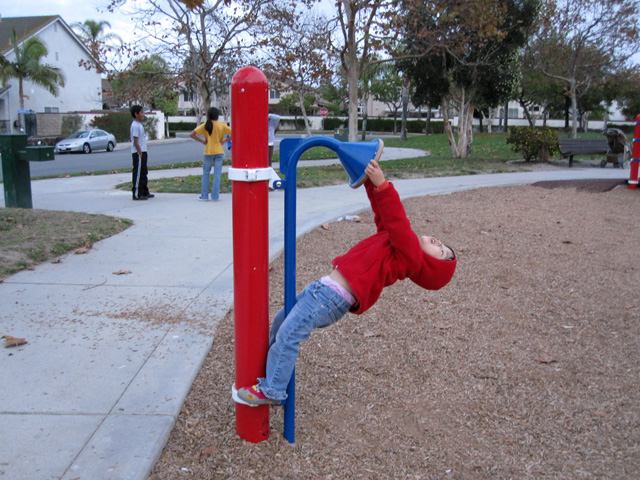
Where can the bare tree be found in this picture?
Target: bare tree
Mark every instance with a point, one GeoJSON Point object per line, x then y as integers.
{"type": "Point", "coordinates": [579, 39]}
{"type": "Point", "coordinates": [201, 38]}
{"type": "Point", "coordinates": [100, 43]}
{"type": "Point", "coordinates": [299, 55]}
{"type": "Point", "coordinates": [366, 27]}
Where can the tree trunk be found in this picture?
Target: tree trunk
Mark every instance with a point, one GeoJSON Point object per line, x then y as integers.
{"type": "Point", "coordinates": [304, 113]}
{"type": "Point", "coordinates": [447, 128]}
{"type": "Point", "coordinates": [405, 107]}
{"type": "Point", "coordinates": [574, 110]}
{"type": "Point", "coordinates": [527, 114]}
{"type": "Point", "coordinates": [472, 109]}
{"type": "Point", "coordinates": [506, 116]}
{"type": "Point", "coordinates": [365, 114]}
{"type": "Point", "coordinates": [427, 123]}
{"type": "Point", "coordinates": [463, 129]}
{"type": "Point", "coordinates": [353, 76]}
{"type": "Point", "coordinates": [205, 97]}
{"type": "Point", "coordinates": [22, 126]}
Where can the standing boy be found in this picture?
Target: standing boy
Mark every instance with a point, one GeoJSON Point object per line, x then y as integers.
{"type": "Point", "coordinates": [139, 155]}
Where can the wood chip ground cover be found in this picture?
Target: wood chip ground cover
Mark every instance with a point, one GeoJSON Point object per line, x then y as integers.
{"type": "Point", "coordinates": [525, 366]}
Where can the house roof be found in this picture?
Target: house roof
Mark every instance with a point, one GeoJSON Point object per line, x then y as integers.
{"type": "Point", "coordinates": [27, 27]}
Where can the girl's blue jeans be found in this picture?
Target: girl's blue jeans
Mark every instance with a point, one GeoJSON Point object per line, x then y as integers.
{"type": "Point", "coordinates": [216, 161]}
{"type": "Point", "coordinates": [318, 306]}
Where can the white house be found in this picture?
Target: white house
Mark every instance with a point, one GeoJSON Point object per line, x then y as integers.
{"type": "Point", "coordinates": [83, 88]}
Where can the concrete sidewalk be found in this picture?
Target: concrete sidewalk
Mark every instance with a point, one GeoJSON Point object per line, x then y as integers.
{"type": "Point", "coordinates": [111, 358]}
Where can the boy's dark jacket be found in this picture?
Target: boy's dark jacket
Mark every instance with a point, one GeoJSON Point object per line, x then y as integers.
{"type": "Point", "coordinates": [392, 254]}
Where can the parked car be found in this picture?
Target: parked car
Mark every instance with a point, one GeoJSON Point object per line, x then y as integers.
{"type": "Point", "coordinates": [87, 141]}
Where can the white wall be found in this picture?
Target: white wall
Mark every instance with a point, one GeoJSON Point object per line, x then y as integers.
{"type": "Point", "coordinates": [83, 88]}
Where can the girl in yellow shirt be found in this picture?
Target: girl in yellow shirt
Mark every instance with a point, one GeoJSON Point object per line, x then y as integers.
{"type": "Point", "coordinates": [214, 133]}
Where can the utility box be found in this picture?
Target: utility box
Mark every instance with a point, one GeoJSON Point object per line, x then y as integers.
{"type": "Point", "coordinates": [40, 154]}
{"type": "Point", "coordinates": [15, 168]}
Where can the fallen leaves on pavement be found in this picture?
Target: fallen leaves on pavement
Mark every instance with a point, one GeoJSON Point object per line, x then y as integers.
{"type": "Point", "coordinates": [122, 272]}
{"type": "Point", "coordinates": [13, 341]}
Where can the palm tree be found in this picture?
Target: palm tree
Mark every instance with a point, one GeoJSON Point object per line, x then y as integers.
{"type": "Point", "coordinates": [26, 66]}
{"type": "Point", "coordinates": [92, 33]}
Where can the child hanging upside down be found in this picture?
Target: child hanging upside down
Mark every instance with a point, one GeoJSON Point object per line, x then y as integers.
{"type": "Point", "coordinates": [394, 253]}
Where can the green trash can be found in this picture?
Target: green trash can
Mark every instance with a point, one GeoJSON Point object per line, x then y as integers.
{"type": "Point", "coordinates": [15, 168]}
{"type": "Point", "coordinates": [341, 134]}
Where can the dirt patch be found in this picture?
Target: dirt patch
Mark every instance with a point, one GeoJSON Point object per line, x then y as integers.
{"type": "Point", "coordinates": [525, 366]}
{"type": "Point", "coordinates": [594, 185]}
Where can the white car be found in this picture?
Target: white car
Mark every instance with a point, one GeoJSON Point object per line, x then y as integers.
{"type": "Point", "coordinates": [86, 141]}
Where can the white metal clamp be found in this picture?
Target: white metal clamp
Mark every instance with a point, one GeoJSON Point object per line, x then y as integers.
{"type": "Point", "coordinates": [249, 174]}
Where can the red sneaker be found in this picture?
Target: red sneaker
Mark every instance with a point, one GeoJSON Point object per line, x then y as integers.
{"type": "Point", "coordinates": [253, 397]}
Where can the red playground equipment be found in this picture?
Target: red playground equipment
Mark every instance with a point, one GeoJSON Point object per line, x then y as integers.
{"type": "Point", "coordinates": [250, 175]}
{"type": "Point", "coordinates": [635, 156]}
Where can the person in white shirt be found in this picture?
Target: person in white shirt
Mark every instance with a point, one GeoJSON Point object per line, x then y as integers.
{"type": "Point", "coordinates": [274, 120]}
{"type": "Point", "coordinates": [139, 173]}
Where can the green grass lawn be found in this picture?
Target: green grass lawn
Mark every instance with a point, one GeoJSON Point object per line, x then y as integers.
{"type": "Point", "coordinates": [489, 155]}
{"type": "Point", "coordinates": [30, 236]}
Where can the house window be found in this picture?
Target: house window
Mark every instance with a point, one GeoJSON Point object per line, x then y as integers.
{"type": "Point", "coordinates": [513, 113]}
{"type": "Point", "coordinates": [274, 94]}
{"type": "Point", "coordinates": [188, 96]}
{"type": "Point", "coordinates": [51, 110]}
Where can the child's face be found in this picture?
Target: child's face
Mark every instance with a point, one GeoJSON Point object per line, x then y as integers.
{"type": "Point", "coordinates": [140, 116]}
{"type": "Point", "coordinates": [434, 247]}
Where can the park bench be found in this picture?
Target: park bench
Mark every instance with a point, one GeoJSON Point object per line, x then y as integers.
{"type": "Point", "coordinates": [582, 146]}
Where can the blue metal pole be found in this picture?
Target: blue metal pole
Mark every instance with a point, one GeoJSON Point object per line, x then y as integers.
{"type": "Point", "coordinates": [290, 151]}
{"type": "Point", "coordinates": [289, 278]}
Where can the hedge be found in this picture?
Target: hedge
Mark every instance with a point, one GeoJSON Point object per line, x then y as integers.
{"type": "Point", "coordinates": [119, 124]}
{"type": "Point", "coordinates": [386, 125]}
{"type": "Point", "coordinates": [297, 124]}
{"type": "Point", "coordinates": [182, 126]}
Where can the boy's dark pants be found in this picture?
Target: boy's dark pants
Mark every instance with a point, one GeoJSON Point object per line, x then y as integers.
{"type": "Point", "coordinates": [139, 175]}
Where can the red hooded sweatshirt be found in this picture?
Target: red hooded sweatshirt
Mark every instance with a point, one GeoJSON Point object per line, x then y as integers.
{"type": "Point", "coordinates": [392, 254]}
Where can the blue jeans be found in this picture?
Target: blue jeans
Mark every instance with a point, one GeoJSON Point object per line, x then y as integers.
{"type": "Point", "coordinates": [317, 306]}
{"type": "Point", "coordinates": [216, 161]}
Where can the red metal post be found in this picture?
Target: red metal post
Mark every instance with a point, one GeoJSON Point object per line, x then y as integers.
{"type": "Point", "coordinates": [635, 156]}
{"type": "Point", "coordinates": [249, 131]}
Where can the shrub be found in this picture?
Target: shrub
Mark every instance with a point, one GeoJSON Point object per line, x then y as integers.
{"type": "Point", "coordinates": [182, 126]}
{"type": "Point", "coordinates": [534, 143]}
{"type": "Point", "coordinates": [331, 123]}
{"type": "Point", "coordinates": [70, 124]}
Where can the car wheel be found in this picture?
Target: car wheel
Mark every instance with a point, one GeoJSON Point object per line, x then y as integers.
{"type": "Point", "coordinates": [110, 147]}
{"type": "Point", "coordinates": [86, 148]}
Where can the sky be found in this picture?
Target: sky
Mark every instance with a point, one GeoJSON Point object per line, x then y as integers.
{"type": "Point", "coordinates": [71, 11]}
